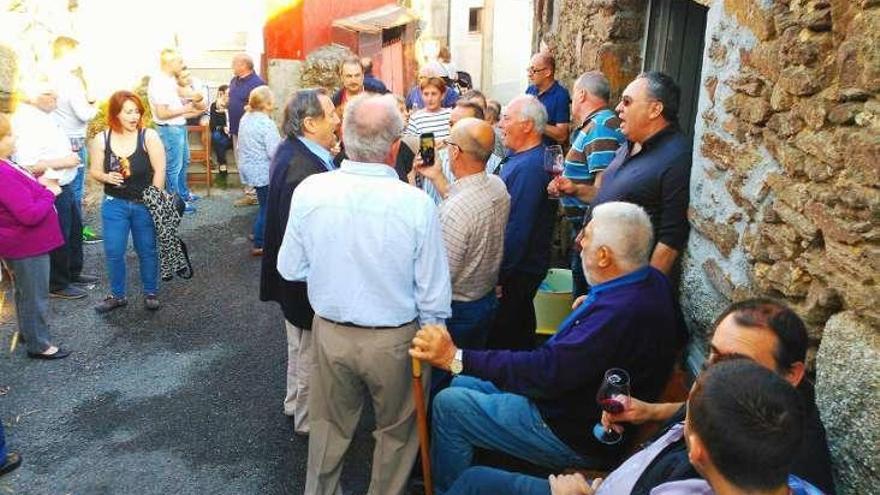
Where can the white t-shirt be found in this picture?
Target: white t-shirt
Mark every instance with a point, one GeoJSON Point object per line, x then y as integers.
{"type": "Point", "coordinates": [40, 137]}
{"type": "Point", "coordinates": [162, 90]}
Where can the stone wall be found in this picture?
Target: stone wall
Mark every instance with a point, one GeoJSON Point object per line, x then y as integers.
{"type": "Point", "coordinates": [601, 35]}
{"type": "Point", "coordinates": [784, 192]}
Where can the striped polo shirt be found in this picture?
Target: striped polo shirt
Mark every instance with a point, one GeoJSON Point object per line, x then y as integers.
{"type": "Point", "coordinates": [591, 151]}
{"type": "Point", "coordinates": [424, 121]}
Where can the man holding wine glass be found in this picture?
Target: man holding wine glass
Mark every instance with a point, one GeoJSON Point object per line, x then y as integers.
{"type": "Point", "coordinates": [540, 405]}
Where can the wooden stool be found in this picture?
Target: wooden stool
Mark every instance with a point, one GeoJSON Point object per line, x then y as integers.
{"type": "Point", "coordinates": [201, 154]}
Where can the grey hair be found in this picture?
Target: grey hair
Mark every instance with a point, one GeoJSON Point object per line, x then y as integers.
{"type": "Point", "coordinates": [532, 109]}
{"type": "Point", "coordinates": [368, 134]}
{"type": "Point", "coordinates": [626, 230]}
{"type": "Point", "coordinates": [594, 83]}
{"type": "Point", "coordinates": [302, 104]}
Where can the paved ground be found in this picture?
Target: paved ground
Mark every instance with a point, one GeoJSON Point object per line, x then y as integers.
{"type": "Point", "coordinates": [186, 400]}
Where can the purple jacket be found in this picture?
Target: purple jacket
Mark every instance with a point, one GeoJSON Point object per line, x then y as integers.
{"type": "Point", "coordinates": [28, 220]}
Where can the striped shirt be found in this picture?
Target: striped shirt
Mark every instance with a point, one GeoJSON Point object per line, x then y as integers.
{"type": "Point", "coordinates": [474, 217]}
{"type": "Point", "coordinates": [591, 151]}
{"type": "Point", "coordinates": [424, 121]}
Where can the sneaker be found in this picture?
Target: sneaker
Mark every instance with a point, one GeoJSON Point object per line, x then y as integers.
{"type": "Point", "coordinates": [83, 279]}
{"type": "Point", "coordinates": [89, 236]}
{"type": "Point", "coordinates": [109, 304]}
{"type": "Point", "coordinates": [245, 201]}
{"type": "Point", "coordinates": [194, 197]}
{"type": "Point", "coordinates": [10, 463]}
{"type": "Point", "coordinates": [190, 208]}
{"type": "Point", "coordinates": [151, 302]}
{"type": "Point", "coordinates": [69, 292]}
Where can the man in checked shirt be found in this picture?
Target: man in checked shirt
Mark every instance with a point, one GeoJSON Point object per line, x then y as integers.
{"type": "Point", "coordinates": [473, 216]}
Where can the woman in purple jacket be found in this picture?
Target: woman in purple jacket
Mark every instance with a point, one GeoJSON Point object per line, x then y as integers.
{"type": "Point", "coordinates": [29, 229]}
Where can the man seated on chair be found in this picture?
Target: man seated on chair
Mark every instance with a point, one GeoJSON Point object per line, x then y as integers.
{"type": "Point", "coordinates": [540, 405]}
{"type": "Point", "coordinates": [762, 330]}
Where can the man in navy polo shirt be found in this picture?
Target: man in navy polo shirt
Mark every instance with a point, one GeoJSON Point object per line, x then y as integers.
{"type": "Point", "coordinates": [243, 82]}
{"type": "Point", "coordinates": [529, 230]}
{"type": "Point", "coordinates": [542, 76]}
{"type": "Point", "coordinates": [653, 168]}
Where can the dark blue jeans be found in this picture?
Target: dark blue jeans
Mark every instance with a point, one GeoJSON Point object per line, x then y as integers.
{"type": "Point", "coordinates": [482, 480]}
{"type": "Point", "coordinates": [260, 221]}
{"type": "Point", "coordinates": [121, 217]}
{"type": "Point", "coordinates": [578, 280]}
{"type": "Point", "coordinates": [469, 327]}
{"type": "Point", "coordinates": [2, 445]}
{"type": "Point", "coordinates": [67, 260]}
{"type": "Point", "coordinates": [220, 143]}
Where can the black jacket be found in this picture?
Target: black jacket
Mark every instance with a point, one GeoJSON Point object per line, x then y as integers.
{"type": "Point", "coordinates": [293, 162]}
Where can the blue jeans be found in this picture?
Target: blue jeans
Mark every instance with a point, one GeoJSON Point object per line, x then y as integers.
{"type": "Point", "coordinates": [32, 301]}
{"type": "Point", "coordinates": [121, 217]}
{"type": "Point", "coordinates": [182, 186]}
{"type": "Point", "coordinates": [2, 444]}
{"type": "Point", "coordinates": [474, 413]}
{"type": "Point", "coordinates": [469, 327]}
{"type": "Point", "coordinates": [578, 280]}
{"type": "Point", "coordinates": [220, 143]}
{"type": "Point", "coordinates": [174, 139]}
{"type": "Point", "coordinates": [79, 147]}
{"type": "Point", "coordinates": [260, 221]}
{"type": "Point", "coordinates": [482, 480]}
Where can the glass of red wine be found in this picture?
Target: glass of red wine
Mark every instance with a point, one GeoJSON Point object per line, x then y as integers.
{"type": "Point", "coordinates": [613, 397]}
{"type": "Point", "coordinates": [554, 162]}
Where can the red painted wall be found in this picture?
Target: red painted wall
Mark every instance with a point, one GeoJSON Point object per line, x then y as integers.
{"type": "Point", "coordinates": [304, 25]}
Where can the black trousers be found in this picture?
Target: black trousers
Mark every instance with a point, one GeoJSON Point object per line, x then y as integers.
{"type": "Point", "coordinates": [515, 322]}
{"type": "Point", "coordinates": [66, 262]}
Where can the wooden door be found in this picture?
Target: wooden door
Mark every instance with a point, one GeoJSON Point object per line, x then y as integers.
{"type": "Point", "coordinates": [674, 45]}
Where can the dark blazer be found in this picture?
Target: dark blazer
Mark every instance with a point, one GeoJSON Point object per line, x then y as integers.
{"type": "Point", "coordinates": [293, 162]}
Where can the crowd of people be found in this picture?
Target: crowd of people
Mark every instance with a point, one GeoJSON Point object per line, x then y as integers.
{"type": "Point", "coordinates": [381, 250]}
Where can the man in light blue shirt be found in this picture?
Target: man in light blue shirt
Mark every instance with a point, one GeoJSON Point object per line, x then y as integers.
{"type": "Point", "coordinates": [372, 251]}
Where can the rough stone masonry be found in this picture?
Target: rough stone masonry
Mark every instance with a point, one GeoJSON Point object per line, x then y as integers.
{"type": "Point", "coordinates": [785, 189]}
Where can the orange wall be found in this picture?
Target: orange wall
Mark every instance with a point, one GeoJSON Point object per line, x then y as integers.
{"type": "Point", "coordinates": [303, 25]}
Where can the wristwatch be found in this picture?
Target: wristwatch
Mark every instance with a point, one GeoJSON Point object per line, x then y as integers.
{"type": "Point", "coordinates": [457, 366]}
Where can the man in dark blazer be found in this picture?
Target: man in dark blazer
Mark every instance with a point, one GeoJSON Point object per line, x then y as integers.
{"type": "Point", "coordinates": [310, 122]}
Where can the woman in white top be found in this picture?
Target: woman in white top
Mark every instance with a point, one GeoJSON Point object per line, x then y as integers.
{"type": "Point", "coordinates": [433, 118]}
{"type": "Point", "coordinates": [258, 137]}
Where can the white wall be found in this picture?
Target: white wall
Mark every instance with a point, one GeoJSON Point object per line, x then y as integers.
{"type": "Point", "coordinates": [466, 47]}
{"type": "Point", "coordinates": [511, 48]}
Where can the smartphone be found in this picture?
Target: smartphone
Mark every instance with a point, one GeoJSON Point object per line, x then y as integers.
{"type": "Point", "coordinates": [426, 148]}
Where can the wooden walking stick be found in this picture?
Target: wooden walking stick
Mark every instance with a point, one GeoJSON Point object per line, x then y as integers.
{"type": "Point", "coordinates": [422, 421]}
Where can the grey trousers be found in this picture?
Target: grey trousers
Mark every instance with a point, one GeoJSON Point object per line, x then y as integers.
{"type": "Point", "coordinates": [348, 360]}
{"type": "Point", "coordinates": [32, 300]}
{"type": "Point", "coordinates": [300, 361]}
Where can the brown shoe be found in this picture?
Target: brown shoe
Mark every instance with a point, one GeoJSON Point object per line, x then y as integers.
{"type": "Point", "coordinates": [257, 252]}
{"type": "Point", "coordinates": [245, 201]}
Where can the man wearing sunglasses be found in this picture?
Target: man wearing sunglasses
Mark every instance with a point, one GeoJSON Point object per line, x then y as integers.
{"type": "Point", "coordinates": [554, 97]}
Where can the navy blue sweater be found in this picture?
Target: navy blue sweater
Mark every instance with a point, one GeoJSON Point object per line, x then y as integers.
{"type": "Point", "coordinates": [529, 230]}
{"type": "Point", "coordinates": [629, 322]}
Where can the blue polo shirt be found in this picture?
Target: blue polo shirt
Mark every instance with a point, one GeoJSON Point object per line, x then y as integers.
{"type": "Point", "coordinates": [239, 91]}
{"type": "Point", "coordinates": [558, 104]}
{"type": "Point", "coordinates": [657, 179]}
{"type": "Point", "coordinates": [529, 230]}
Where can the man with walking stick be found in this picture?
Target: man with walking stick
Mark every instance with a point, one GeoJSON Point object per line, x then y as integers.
{"type": "Point", "coordinates": [372, 251]}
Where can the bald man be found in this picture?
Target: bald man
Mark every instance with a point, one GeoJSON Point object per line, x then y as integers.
{"type": "Point", "coordinates": [554, 97]}
{"type": "Point", "coordinates": [473, 216]}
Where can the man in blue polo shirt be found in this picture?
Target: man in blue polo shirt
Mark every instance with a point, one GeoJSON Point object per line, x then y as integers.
{"type": "Point", "coordinates": [529, 230]}
{"type": "Point", "coordinates": [542, 76]}
{"type": "Point", "coordinates": [592, 150]}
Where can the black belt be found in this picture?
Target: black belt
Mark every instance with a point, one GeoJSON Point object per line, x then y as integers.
{"type": "Point", "coordinates": [355, 325]}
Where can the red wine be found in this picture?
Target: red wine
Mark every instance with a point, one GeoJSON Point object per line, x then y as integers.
{"type": "Point", "coordinates": [611, 405]}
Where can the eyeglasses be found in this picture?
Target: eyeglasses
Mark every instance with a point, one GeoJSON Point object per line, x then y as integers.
{"type": "Point", "coordinates": [627, 100]}
{"type": "Point", "coordinates": [450, 143]}
{"type": "Point", "coordinates": [535, 70]}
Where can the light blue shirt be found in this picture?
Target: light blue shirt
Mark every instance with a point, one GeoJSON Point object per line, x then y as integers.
{"type": "Point", "coordinates": [370, 247]}
{"type": "Point", "coordinates": [319, 151]}
{"type": "Point", "coordinates": [258, 138]}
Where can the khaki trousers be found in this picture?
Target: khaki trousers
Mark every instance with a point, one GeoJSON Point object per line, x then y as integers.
{"type": "Point", "coordinates": [300, 360]}
{"type": "Point", "coordinates": [348, 360]}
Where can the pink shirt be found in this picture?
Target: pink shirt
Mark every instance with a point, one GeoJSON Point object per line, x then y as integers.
{"type": "Point", "coordinates": [28, 220]}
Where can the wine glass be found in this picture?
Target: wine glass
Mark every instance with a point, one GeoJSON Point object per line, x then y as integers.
{"type": "Point", "coordinates": [554, 162]}
{"type": "Point", "coordinates": [613, 397]}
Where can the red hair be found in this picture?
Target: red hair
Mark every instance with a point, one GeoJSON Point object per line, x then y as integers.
{"type": "Point", "coordinates": [114, 108]}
